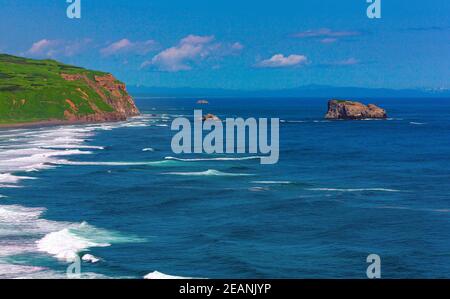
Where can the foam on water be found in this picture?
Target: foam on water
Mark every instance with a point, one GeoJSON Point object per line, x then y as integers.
{"type": "Point", "coordinates": [18, 270]}
{"type": "Point", "coordinates": [90, 258]}
{"type": "Point", "coordinates": [36, 149]}
{"type": "Point", "coordinates": [209, 172]}
{"type": "Point", "coordinates": [9, 178]}
{"type": "Point", "coordinates": [22, 229]}
{"type": "Point", "coordinates": [21, 226]}
{"type": "Point", "coordinates": [74, 146]}
{"type": "Point", "coordinates": [214, 159]}
{"type": "Point", "coordinates": [67, 243]}
{"type": "Point", "coordinates": [444, 210]}
{"type": "Point", "coordinates": [354, 190]}
{"type": "Point", "coordinates": [162, 276]}
{"type": "Point", "coordinates": [85, 163]}
{"type": "Point", "coordinates": [273, 182]}
{"type": "Point", "coordinates": [293, 121]}
{"type": "Point", "coordinates": [44, 273]}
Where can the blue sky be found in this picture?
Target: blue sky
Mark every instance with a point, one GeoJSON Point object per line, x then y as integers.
{"type": "Point", "coordinates": [240, 44]}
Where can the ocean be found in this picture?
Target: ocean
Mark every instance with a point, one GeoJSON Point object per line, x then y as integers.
{"type": "Point", "coordinates": [342, 190]}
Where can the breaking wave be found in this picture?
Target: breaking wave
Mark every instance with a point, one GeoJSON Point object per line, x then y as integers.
{"type": "Point", "coordinates": [67, 243]}
{"type": "Point", "coordinates": [22, 229]}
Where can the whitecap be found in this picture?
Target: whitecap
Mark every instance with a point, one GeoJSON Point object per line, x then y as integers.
{"type": "Point", "coordinates": [90, 258]}
{"type": "Point", "coordinates": [294, 121]}
{"type": "Point", "coordinates": [66, 246]}
{"type": "Point", "coordinates": [22, 230]}
{"type": "Point", "coordinates": [86, 163]}
{"type": "Point", "coordinates": [74, 146]}
{"type": "Point", "coordinates": [258, 189]}
{"type": "Point", "coordinates": [9, 178]}
{"type": "Point", "coordinates": [67, 243]}
{"type": "Point", "coordinates": [273, 182]}
{"type": "Point", "coordinates": [415, 209]}
{"type": "Point", "coordinates": [354, 190]}
{"type": "Point", "coordinates": [209, 172]}
{"type": "Point", "coordinates": [162, 276]}
{"type": "Point", "coordinates": [51, 274]}
{"type": "Point", "coordinates": [214, 159]}
{"type": "Point", "coordinates": [11, 270]}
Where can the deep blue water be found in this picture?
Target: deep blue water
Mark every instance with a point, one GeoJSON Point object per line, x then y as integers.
{"type": "Point", "coordinates": [342, 190]}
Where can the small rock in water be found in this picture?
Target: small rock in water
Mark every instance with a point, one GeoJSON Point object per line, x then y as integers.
{"type": "Point", "coordinates": [211, 117]}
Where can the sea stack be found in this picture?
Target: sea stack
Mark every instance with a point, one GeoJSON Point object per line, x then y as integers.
{"type": "Point", "coordinates": [343, 109]}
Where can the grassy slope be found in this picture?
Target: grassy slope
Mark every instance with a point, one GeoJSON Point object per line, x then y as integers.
{"type": "Point", "coordinates": [33, 90]}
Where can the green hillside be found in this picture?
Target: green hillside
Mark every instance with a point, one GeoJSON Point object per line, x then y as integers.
{"type": "Point", "coordinates": [34, 90]}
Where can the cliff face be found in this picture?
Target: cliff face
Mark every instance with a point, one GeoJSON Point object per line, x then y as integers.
{"type": "Point", "coordinates": [338, 109]}
{"type": "Point", "coordinates": [111, 91]}
{"type": "Point", "coordinates": [47, 91]}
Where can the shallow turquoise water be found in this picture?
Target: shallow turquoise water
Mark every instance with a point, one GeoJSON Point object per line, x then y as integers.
{"type": "Point", "coordinates": [341, 191]}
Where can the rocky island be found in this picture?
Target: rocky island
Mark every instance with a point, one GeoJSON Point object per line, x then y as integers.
{"type": "Point", "coordinates": [343, 109]}
{"type": "Point", "coordinates": [34, 92]}
{"type": "Point", "coordinates": [210, 116]}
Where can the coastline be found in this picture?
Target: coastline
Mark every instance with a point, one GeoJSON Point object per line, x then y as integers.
{"type": "Point", "coordinates": [51, 123]}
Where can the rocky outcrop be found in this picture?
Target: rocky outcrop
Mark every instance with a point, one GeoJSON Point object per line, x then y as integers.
{"type": "Point", "coordinates": [342, 109]}
{"type": "Point", "coordinates": [111, 91]}
{"type": "Point", "coordinates": [211, 117]}
{"type": "Point", "coordinates": [47, 92]}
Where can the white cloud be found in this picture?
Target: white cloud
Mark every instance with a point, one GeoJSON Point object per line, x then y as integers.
{"type": "Point", "coordinates": [328, 40]}
{"type": "Point", "coordinates": [190, 50]}
{"type": "Point", "coordinates": [197, 39]}
{"type": "Point", "coordinates": [43, 47]}
{"type": "Point", "coordinates": [127, 46]}
{"type": "Point", "coordinates": [281, 61]}
{"type": "Point", "coordinates": [324, 33]}
{"type": "Point", "coordinates": [237, 46]}
{"type": "Point", "coordinates": [350, 61]}
{"type": "Point", "coordinates": [54, 48]}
